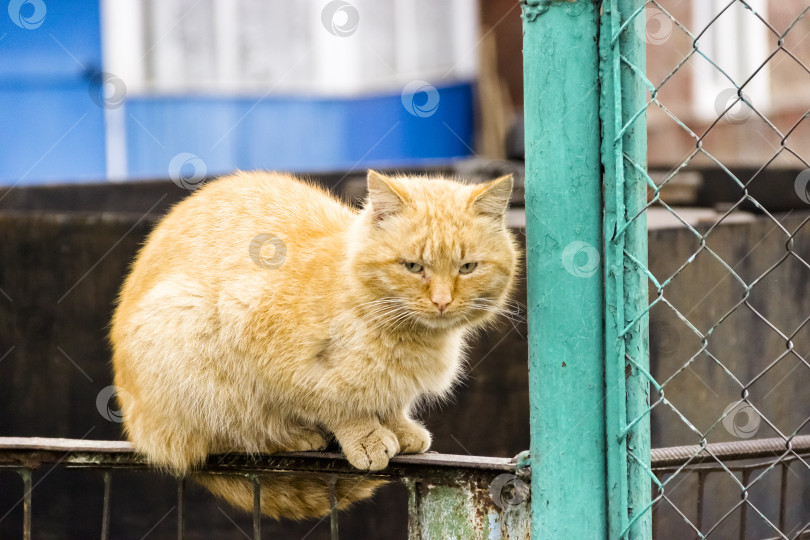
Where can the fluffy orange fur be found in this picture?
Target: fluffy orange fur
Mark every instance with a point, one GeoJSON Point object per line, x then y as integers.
{"type": "Point", "coordinates": [364, 314]}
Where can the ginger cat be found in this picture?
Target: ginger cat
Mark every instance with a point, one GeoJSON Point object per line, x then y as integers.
{"type": "Point", "coordinates": [355, 317]}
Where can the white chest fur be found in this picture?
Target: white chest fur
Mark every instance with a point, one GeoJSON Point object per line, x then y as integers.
{"type": "Point", "coordinates": [393, 372]}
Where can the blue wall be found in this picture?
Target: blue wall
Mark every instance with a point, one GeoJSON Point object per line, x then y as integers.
{"type": "Point", "coordinates": [298, 134]}
{"type": "Point", "coordinates": [52, 131]}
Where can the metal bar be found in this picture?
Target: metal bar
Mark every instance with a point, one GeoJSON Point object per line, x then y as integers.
{"type": "Point", "coordinates": [744, 449]}
{"type": "Point", "coordinates": [105, 512]}
{"type": "Point", "coordinates": [77, 452]}
{"type": "Point", "coordinates": [624, 149]}
{"type": "Point", "coordinates": [257, 507]}
{"type": "Point", "coordinates": [701, 492]}
{"type": "Point", "coordinates": [614, 215]}
{"type": "Point", "coordinates": [427, 467]}
{"type": "Point", "coordinates": [746, 476]}
{"type": "Point", "coordinates": [333, 507]}
{"type": "Point", "coordinates": [728, 466]}
{"type": "Point", "coordinates": [67, 445]}
{"type": "Point", "coordinates": [414, 509]}
{"type": "Point", "coordinates": [656, 511]}
{"type": "Point", "coordinates": [782, 495]}
{"type": "Point", "coordinates": [563, 244]}
{"type": "Point", "coordinates": [25, 474]}
{"type": "Point", "coordinates": [111, 455]}
{"type": "Point", "coordinates": [181, 523]}
{"type": "Point", "coordinates": [633, 48]}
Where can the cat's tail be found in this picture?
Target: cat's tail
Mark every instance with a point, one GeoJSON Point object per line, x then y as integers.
{"type": "Point", "coordinates": [289, 496]}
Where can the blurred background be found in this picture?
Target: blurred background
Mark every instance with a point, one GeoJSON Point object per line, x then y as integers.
{"type": "Point", "coordinates": [115, 90]}
{"type": "Point", "coordinates": [132, 89]}
{"type": "Point", "coordinates": [113, 110]}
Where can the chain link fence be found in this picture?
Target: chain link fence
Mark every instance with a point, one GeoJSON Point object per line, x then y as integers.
{"type": "Point", "coordinates": [727, 90]}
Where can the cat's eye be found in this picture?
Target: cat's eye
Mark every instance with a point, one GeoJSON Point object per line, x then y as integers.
{"type": "Point", "coordinates": [413, 267]}
{"type": "Point", "coordinates": [466, 268]}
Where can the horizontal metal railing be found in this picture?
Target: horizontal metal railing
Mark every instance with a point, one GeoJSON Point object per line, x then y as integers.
{"type": "Point", "coordinates": [750, 449]}
{"type": "Point", "coordinates": [27, 454]}
{"type": "Point", "coordinates": [742, 458]}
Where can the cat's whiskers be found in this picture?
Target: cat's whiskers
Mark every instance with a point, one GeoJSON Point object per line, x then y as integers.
{"type": "Point", "coordinates": [507, 310]}
{"type": "Point", "coordinates": [398, 315]}
{"type": "Point", "coordinates": [468, 321]}
{"type": "Point", "coordinates": [382, 311]}
{"type": "Point", "coordinates": [511, 317]}
{"type": "Point", "coordinates": [373, 308]}
{"type": "Point", "coordinates": [380, 307]}
{"type": "Point", "coordinates": [374, 311]}
{"type": "Point", "coordinates": [505, 301]}
{"type": "Point", "coordinates": [391, 315]}
{"type": "Point", "coordinates": [511, 310]}
{"type": "Point", "coordinates": [386, 317]}
{"type": "Point", "coordinates": [408, 317]}
{"type": "Point", "coordinates": [380, 301]}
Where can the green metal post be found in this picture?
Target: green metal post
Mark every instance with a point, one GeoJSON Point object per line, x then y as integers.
{"type": "Point", "coordinates": [564, 243]}
{"type": "Point", "coordinates": [624, 150]}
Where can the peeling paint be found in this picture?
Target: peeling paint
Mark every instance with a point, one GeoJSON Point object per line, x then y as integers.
{"type": "Point", "coordinates": [463, 509]}
{"type": "Point", "coordinates": [533, 8]}
{"type": "Point", "coordinates": [564, 205]}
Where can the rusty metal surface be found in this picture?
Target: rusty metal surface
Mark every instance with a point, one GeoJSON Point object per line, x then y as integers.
{"type": "Point", "coordinates": [105, 512]}
{"type": "Point", "coordinates": [120, 454]}
{"type": "Point", "coordinates": [72, 453]}
{"type": "Point", "coordinates": [452, 496]}
{"type": "Point", "coordinates": [33, 451]}
{"type": "Point", "coordinates": [27, 487]}
{"type": "Point", "coordinates": [467, 507]}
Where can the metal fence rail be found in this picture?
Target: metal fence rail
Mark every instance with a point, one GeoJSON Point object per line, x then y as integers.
{"type": "Point", "coordinates": [466, 496]}
{"type": "Point", "coordinates": [489, 489]}
{"type": "Point", "coordinates": [740, 458]}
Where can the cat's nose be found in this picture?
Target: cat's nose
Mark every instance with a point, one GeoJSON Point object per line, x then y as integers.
{"type": "Point", "coordinates": [441, 301]}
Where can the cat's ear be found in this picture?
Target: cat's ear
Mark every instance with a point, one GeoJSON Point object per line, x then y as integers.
{"type": "Point", "coordinates": [492, 198]}
{"type": "Point", "coordinates": [385, 196]}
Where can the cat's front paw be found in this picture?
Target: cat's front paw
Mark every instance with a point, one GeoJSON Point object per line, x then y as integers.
{"type": "Point", "coordinates": [413, 438]}
{"type": "Point", "coordinates": [309, 439]}
{"type": "Point", "coordinates": [372, 451]}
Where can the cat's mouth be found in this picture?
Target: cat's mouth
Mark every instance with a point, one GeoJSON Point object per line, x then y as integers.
{"type": "Point", "coordinates": [444, 320]}
{"type": "Point", "coordinates": [464, 315]}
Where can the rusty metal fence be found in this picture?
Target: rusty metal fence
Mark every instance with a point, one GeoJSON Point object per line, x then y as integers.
{"type": "Point", "coordinates": [469, 494]}
{"type": "Point", "coordinates": [462, 496]}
